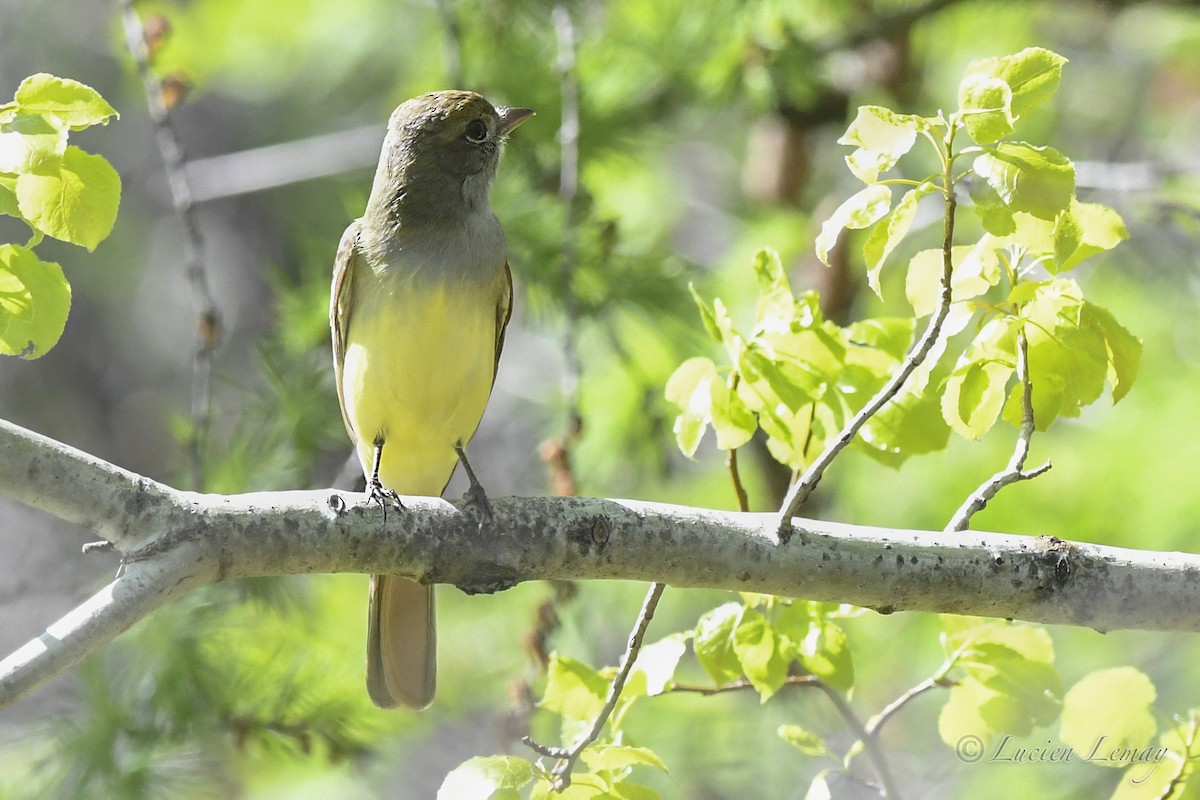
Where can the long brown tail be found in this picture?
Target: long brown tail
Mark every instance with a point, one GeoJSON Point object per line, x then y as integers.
{"type": "Point", "coordinates": [401, 643]}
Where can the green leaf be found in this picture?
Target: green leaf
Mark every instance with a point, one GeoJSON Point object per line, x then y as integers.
{"type": "Point", "coordinates": [8, 196]}
{"type": "Point", "coordinates": [986, 104]}
{"type": "Point", "coordinates": [713, 643]}
{"type": "Point", "coordinates": [910, 424]}
{"type": "Point", "coordinates": [732, 421]}
{"type": "Point", "coordinates": [34, 301]}
{"type": "Point", "coordinates": [1068, 362]}
{"type": "Point", "coordinates": [689, 389]}
{"type": "Point", "coordinates": [707, 314]}
{"type": "Point", "coordinates": [574, 690]}
{"type": "Point", "coordinates": [30, 143]}
{"type": "Point", "coordinates": [76, 104]}
{"type": "Point", "coordinates": [617, 756]}
{"type": "Point", "coordinates": [825, 653]}
{"type": "Point", "coordinates": [1107, 710]}
{"type": "Point", "coordinates": [1083, 231]}
{"type": "Point", "coordinates": [78, 204]}
{"type": "Point", "coordinates": [890, 232]}
{"type": "Point", "coordinates": [976, 269]}
{"type": "Point", "coordinates": [862, 209]}
{"type": "Point", "coordinates": [658, 662]}
{"type": "Point", "coordinates": [757, 650]}
{"type": "Point", "coordinates": [776, 305]}
{"type": "Point", "coordinates": [974, 395]}
{"type": "Point", "coordinates": [1032, 76]}
{"type": "Point", "coordinates": [882, 137]}
{"type": "Point", "coordinates": [624, 790]}
{"type": "Point", "coordinates": [994, 215]}
{"type": "Point", "coordinates": [805, 741]}
{"type": "Point", "coordinates": [1037, 180]}
{"type": "Point", "coordinates": [487, 778]}
{"type": "Point", "coordinates": [1124, 349]}
{"type": "Point", "coordinates": [1010, 683]}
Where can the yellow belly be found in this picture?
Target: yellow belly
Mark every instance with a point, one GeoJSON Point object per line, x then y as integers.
{"type": "Point", "coordinates": [417, 373]}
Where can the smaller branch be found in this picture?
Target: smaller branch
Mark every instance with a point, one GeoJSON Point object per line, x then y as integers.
{"type": "Point", "coordinates": [740, 685]}
{"type": "Point", "coordinates": [803, 488]}
{"type": "Point", "coordinates": [208, 328]}
{"type": "Point", "coordinates": [1015, 471]}
{"type": "Point", "coordinates": [738, 489]}
{"type": "Point", "coordinates": [878, 760]}
{"type": "Point", "coordinates": [568, 757]}
{"type": "Point", "coordinates": [877, 722]}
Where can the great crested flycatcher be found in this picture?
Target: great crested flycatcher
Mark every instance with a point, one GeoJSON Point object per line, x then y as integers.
{"type": "Point", "coordinates": [421, 297]}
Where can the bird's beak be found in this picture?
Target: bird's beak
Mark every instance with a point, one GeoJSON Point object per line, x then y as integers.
{"type": "Point", "coordinates": [512, 117]}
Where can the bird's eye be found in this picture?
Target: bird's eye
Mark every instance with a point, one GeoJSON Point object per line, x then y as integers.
{"type": "Point", "coordinates": [476, 131]}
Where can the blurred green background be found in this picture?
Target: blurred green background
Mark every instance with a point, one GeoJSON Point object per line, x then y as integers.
{"type": "Point", "coordinates": [706, 132]}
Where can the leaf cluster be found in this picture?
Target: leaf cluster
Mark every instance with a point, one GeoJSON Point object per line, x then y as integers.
{"type": "Point", "coordinates": [58, 190]}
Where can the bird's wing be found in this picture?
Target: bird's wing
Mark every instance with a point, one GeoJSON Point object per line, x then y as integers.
{"type": "Point", "coordinates": [340, 297]}
{"type": "Point", "coordinates": [503, 314]}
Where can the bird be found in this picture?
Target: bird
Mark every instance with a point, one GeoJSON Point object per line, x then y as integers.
{"type": "Point", "coordinates": [420, 301]}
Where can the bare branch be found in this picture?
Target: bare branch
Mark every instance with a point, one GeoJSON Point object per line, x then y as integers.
{"type": "Point", "coordinates": [196, 538]}
{"type": "Point", "coordinates": [1015, 470]}
{"type": "Point", "coordinates": [208, 318]}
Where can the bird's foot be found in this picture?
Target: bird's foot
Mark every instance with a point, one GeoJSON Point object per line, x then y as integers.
{"type": "Point", "coordinates": [378, 493]}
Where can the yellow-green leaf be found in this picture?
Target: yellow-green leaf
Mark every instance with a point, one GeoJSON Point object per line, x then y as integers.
{"type": "Point", "coordinates": [862, 209]}
{"type": "Point", "coordinates": [986, 104]}
{"type": "Point", "coordinates": [487, 778]}
{"type": "Point", "coordinates": [78, 204]}
{"type": "Point", "coordinates": [34, 301]}
{"type": "Point", "coordinates": [76, 104]}
{"type": "Point", "coordinates": [974, 395]}
{"type": "Point", "coordinates": [1037, 180]}
{"type": "Point", "coordinates": [1107, 710]}
{"type": "Point", "coordinates": [574, 690]}
{"type": "Point", "coordinates": [882, 137]}
{"type": "Point", "coordinates": [890, 232]}
{"type": "Point", "coordinates": [30, 143]}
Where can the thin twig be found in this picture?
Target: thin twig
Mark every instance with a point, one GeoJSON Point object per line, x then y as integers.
{"type": "Point", "coordinates": [870, 744]}
{"type": "Point", "coordinates": [568, 193]}
{"type": "Point", "coordinates": [1015, 470]}
{"type": "Point", "coordinates": [568, 756]}
{"type": "Point", "coordinates": [803, 488]}
{"type": "Point", "coordinates": [208, 327]}
{"type": "Point", "coordinates": [731, 461]}
{"type": "Point", "coordinates": [740, 685]}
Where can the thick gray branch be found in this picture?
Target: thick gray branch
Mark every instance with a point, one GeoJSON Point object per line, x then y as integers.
{"type": "Point", "coordinates": [173, 541]}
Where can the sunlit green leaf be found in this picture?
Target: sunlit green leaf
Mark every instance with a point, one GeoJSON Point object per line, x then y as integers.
{"type": "Point", "coordinates": [713, 643]}
{"type": "Point", "coordinates": [805, 741]}
{"type": "Point", "coordinates": [573, 689]}
{"type": "Point", "coordinates": [1038, 180]}
{"type": "Point", "coordinates": [890, 232]}
{"type": "Point", "coordinates": [825, 653]}
{"type": "Point", "coordinates": [658, 662]}
{"type": "Point", "coordinates": [616, 756]}
{"type": "Point", "coordinates": [732, 421]}
{"type": "Point", "coordinates": [1032, 76]}
{"type": "Point", "coordinates": [30, 143]}
{"type": "Point", "coordinates": [910, 424]}
{"type": "Point", "coordinates": [1110, 709]}
{"type": "Point", "coordinates": [882, 137]}
{"type": "Point", "coordinates": [776, 304]}
{"type": "Point", "coordinates": [973, 396]}
{"type": "Point", "coordinates": [859, 211]}
{"type": "Point", "coordinates": [34, 300]}
{"type": "Point", "coordinates": [74, 103]}
{"type": "Point", "coordinates": [487, 778]}
{"type": "Point", "coordinates": [976, 268]}
{"type": "Point", "coordinates": [1124, 349]}
{"type": "Point", "coordinates": [1068, 362]}
{"type": "Point", "coordinates": [993, 213]}
{"type": "Point", "coordinates": [689, 389]}
{"type": "Point", "coordinates": [986, 103]}
{"type": "Point", "coordinates": [1082, 231]}
{"type": "Point", "coordinates": [757, 650]}
{"type": "Point", "coordinates": [8, 196]}
{"type": "Point", "coordinates": [78, 204]}
{"type": "Point", "coordinates": [707, 314]}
